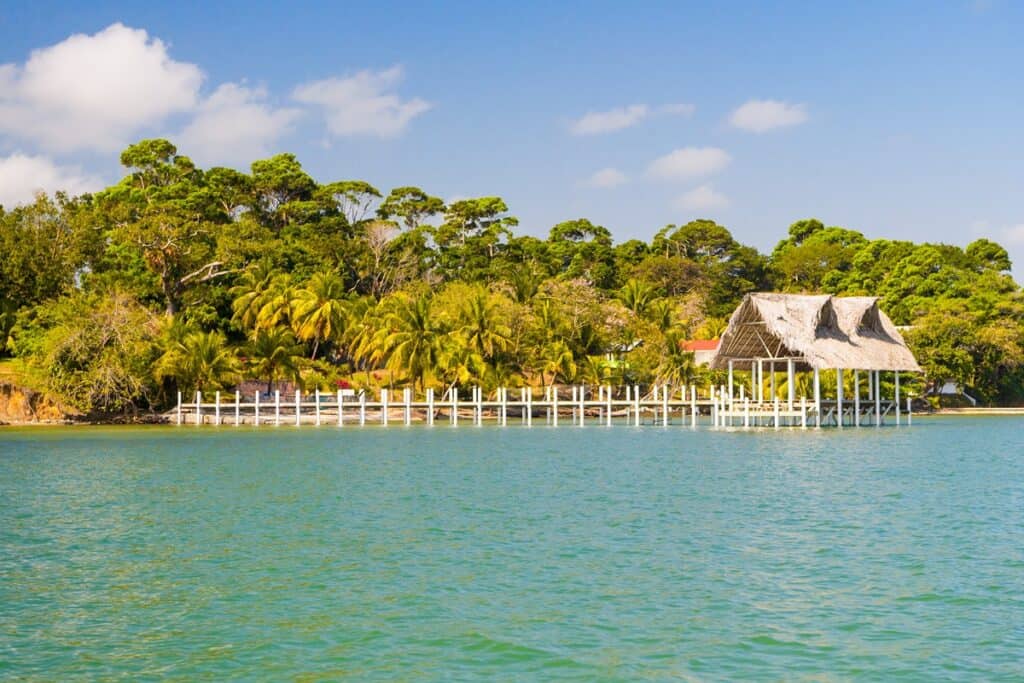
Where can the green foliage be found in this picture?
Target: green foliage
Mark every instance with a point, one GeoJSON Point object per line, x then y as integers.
{"type": "Point", "coordinates": [179, 278]}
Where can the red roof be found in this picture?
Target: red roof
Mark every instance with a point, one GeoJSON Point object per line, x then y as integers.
{"type": "Point", "coordinates": [701, 345]}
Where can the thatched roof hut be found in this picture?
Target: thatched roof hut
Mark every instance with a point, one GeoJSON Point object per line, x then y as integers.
{"type": "Point", "coordinates": [817, 332]}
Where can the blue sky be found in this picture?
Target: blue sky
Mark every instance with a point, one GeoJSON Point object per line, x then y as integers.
{"type": "Point", "coordinates": [901, 120]}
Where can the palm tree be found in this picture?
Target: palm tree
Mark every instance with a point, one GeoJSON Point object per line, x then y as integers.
{"type": "Point", "coordinates": [557, 359]}
{"type": "Point", "coordinates": [319, 310]}
{"type": "Point", "coordinates": [199, 361]}
{"type": "Point", "coordinates": [459, 362]}
{"type": "Point", "coordinates": [676, 366]}
{"type": "Point", "coordinates": [274, 355]}
{"type": "Point", "coordinates": [636, 295]}
{"type": "Point", "coordinates": [250, 293]}
{"type": "Point", "coordinates": [481, 326]}
{"type": "Point", "coordinates": [411, 339]}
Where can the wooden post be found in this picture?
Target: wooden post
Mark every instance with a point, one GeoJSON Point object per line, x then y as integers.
{"type": "Point", "coordinates": [839, 397]}
{"type": "Point", "coordinates": [430, 407]}
{"type": "Point", "coordinates": [504, 406]}
{"type": "Point", "coordinates": [362, 408]}
{"type": "Point", "coordinates": [216, 418]}
{"type": "Point", "coordinates": [790, 383]}
{"type": "Point", "coordinates": [256, 403]}
{"type": "Point", "coordinates": [277, 407]}
{"type": "Point", "coordinates": [298, 407]}
{"type": "Point", "coordinates": [817, 398]}
{"type": "Point", "coordinates": [341, 410]}
{"type": "Point", "coordinates": [199, 407]}
{"type": "Point", "coordinates": [746, 413]}
{"type": "Point", "coordinates": [693, 405]}
{"type": "Point", "coordinates": [856, 398]}
{"type": "Point", "coordinates": [522, 405]}
{"type": "Point", "coordinates": [775, 421]}
{"type": "Point", "coordinates": [582, 398]}
{"type": "Point", "coordinates": [407, 399]}
{"type": "Point", "coordinates": [878, 398]}
{"type": "Point", "coordinates": [608, 404]}
{"type": "Point", "coordinates": [636, 405]}
{"type": "Point", "coordinates": [554, 401]}
{"type": "Point", "coordinates": [771, 374]}
{"type": "Point", "coordinates": [455, 407]}
{"type": "Point", "coordinates": [478, 414]}
{"type": "Point", "coordinates": [179, 407]}
{"type": "Point", "coordinates": [238, 406]}
{"type": "Point", "coordinates": [803, 412]}
{"type": "Point", "coordinates": [529, 407]}
{"type": "Point", "coordinates": [714, 407]}
{"type": "Point", "coordinates": [730, 379]}
{"type": "Point", "coordinates": [384, 407]}
{"type": "Point", "coordinates": [664, 405]}
{"type": "Point", "coordinates": [896, 397]}
{"type": "Point", "coordinates": [910, 414]}
{"type": "Point", "coordinates": [760, 382]}
{"type": "Point", "coordinates": [316, 396]}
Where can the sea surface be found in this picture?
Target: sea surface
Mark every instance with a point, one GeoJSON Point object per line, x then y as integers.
{"type": "Point", "coordinates": [493, 554]}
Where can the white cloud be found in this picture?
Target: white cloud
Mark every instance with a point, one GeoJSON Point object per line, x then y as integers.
{"type": "Point", "coordinates": [701, 198]}
{"type": "Point", "coordinates": [235, 125]}
{"type": "Point", "coordinates": [689, 162]}
{"type": "Point", "coordinates": [94, 91]}
{"type": "Point", "coordinates": [363, 104]}
{"type": "Point", "coordinates": [758, 116]}
{"type": "Point", "coordinates": [22, 176]}
{"type": "Point", "coordinates": [606, 178]}
{"type": "Point", "coordinates": [597, 122]}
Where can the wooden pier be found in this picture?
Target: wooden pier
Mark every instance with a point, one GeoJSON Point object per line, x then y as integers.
{"type": "Point", "coordinates": [579, 406]}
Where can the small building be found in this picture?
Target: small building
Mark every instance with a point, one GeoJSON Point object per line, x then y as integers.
{"type": "Point", "coordinates": [772, 332]}
{"type": "Point", "coordinates": [703, 350]}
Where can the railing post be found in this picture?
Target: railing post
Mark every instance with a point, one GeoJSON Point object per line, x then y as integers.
{"type": "Point", "coordinates": [277, 407]}
{"type": "Point", "coordinates": [608, 405]}
{"type": "Point", "coordinates": [878, 398]}
{"type": "Point", "coordinates": [664, 405]}
{"type": "Point", "coordinates": [316, 397]}
{"type": "Point", "coordinates": [199, 408]}
{"type": "Point", "coordinates": [430, 407]}
{"type": "Point", "coordinates": [407, 398]}
{"type": "Point", "coordinates": [238, 406]}
{"type": "Point", "coordinates": [529, 406]}
{"type": "Point", "coordinates": [384, 407]}
{"type": "Point", "coordinates": [803, 412]}
{"type": "Point", "coordinates": [341, 412]}
{"type": "Point", "coordinates": [582, 402]}
{"type": "Point", "coordinates": [362, 408]}
{"type": "Point", "coordinates": [693, 405]}
{"type": "Point", "coordinates": [216, 409]}
{"type": "Point", "coordinates": [455, 407]}
{"type": "Point", "coordinates": [256, 409]}
{"type": "Point", "coordinates": [504, 406]}
{"type": "Point", "coordinates": [896, 397]}
{"type": "Point", "coordinates": [298, 407]}
{"type": "Point", "coordinates": [554, 403]}
{"type": "Point", "coordinates": [179, 407]}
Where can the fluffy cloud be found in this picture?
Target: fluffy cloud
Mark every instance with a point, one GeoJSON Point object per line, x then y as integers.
{"type": "Point", "coordinates": [689, 162]}
{"type": "Point", "coordinates": [701, 198]}
{"type": "Point", "coordinates": [363, 104]}
{"type": "Point", "coordinates": [606, 178]}
{"type": "Point", "coordinates": [235, 125]}
{"type": "Point", "coordinates": [597, 122]}
{"type": "Point", "coordinates": [758, 116]}
{"type": "Point", "coordinates": [22, 176]}
{"type": "Point", "coordinates": [94, 91]}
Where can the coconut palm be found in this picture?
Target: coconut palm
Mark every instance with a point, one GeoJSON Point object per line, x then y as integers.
{"type": "Point", "coordinates": [274, 355]}
{"type": "Point", "coordinates": [480, 324]}
{"type": "Point", "coordinates": [200, 361]}
{"type": "Point", "coordinates": [319, 309]}
{"type": "Point", "coordinates": [637, 295]}
{"type": "Point", "coordinates": [557, 359]}
{"type": "Point", "coordinates": [250, 294]}
{"type": "Point", "coordinates": [676, 366]}
{"type": "Point", "coordinates": [412, 339]}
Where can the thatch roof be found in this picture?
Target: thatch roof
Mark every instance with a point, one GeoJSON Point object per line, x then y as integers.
{"type": "Point", "coordinates": [823, 332]}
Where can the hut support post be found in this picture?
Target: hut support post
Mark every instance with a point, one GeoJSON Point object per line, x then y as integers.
{"type": "Point", "coordinates": [839, 398]}
{"type": "Point", "coordinates": [790, 383]}
{"type": "Point", "coordinates": [856, 398]}
{"type": "Point", "coordinates": [760, 381]}
{"type": "Point", "coordinates": [730, 378]}
{"type": "Point", "coordinates": [910, 414]}
{"type": "Point", "coordinates": [817, 398]}
{"type": "Point", "coordinates": [878, 398]}
{"type": "Point", "coordinates": [896, 396]}
{"type": "Point", "coordinates": [803, 412]}
{"type": "Point", "coordinates": [771, 375]}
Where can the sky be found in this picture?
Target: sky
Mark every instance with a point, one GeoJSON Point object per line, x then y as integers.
{"type": "Point", "coordinates": [902, 120]}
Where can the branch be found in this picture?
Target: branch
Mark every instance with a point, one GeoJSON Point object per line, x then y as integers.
{"type": "Point", "coordinates": [206, 273]}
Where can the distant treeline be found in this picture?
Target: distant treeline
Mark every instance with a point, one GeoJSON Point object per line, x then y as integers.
{"type": "Point", "coordinates": [179, 278]}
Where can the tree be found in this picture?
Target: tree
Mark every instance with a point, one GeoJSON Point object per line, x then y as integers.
{"type": "Point", "coordinates": [413, 340]}
{"type": "Point", "coordinates": [274, 355]}
{"type": "Point", "coordinates": [410, 204]}
{"type": "Point", "coordinates": [319, 309]}
{"type": "Point", "coordinates": [199, 361]}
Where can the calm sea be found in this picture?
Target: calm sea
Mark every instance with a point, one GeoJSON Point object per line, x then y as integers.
{"type": "Point", "coordinates": [513, 554]}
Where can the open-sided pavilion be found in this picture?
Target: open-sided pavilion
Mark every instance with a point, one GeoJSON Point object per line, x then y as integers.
{"type": "Point", "coordinates": [773, 332]}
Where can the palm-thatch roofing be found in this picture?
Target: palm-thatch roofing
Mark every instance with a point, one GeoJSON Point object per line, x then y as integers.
{"type": "Point", "coordinates": [822, 332]}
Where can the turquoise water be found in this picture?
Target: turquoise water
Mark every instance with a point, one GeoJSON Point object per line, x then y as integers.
{"type": "Point", "coordinates": [513, 554]}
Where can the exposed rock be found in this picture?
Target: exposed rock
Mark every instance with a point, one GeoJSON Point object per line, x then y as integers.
{"type": "Point", "coordinates": [24, 406]}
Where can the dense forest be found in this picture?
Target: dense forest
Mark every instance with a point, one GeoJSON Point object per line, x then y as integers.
{"type": "Point", "coordinates": [179, 278]}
